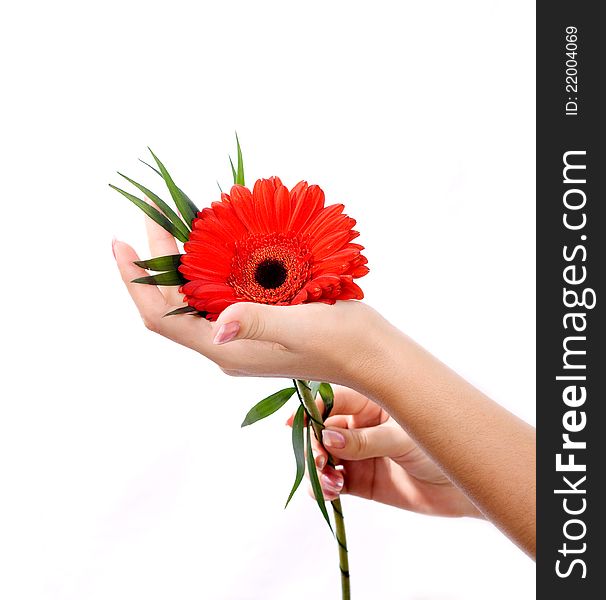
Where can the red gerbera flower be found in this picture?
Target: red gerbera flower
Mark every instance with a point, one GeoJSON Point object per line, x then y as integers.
{"type": "Point", "coordinates": [271, 246]}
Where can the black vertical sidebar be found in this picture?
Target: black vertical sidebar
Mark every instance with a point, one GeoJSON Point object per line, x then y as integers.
{"type": "Point", "coordinates": [571, 257]}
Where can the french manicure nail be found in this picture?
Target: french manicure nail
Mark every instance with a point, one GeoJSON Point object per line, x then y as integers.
{"type": "Point", "coordinates": [227, 332]}
{"type": "Point", "coordinates": [332, 483]}
{"type": "Point", "coordinates": [333, 439]}
{"type": "Point", "coordinates": [321, 461]}
{"type": "Point", "coordinates": [114, 240]}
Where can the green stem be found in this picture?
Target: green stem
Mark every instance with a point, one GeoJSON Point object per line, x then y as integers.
{"type": "Point", "coordinates": [317, 422]}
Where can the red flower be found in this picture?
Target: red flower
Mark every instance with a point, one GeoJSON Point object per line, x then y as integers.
{"type": "Point", "coordinates": [271, 246]}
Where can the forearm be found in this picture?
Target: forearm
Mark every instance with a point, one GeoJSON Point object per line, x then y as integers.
{"type": "Point", "coordinates": [483, 448]}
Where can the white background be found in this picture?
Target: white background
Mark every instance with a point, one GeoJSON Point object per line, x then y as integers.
{"type": "Point", "coordinates": [123, 470]}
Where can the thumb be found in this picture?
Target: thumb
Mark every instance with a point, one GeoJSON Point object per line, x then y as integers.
{"type": "Point", "coordinates": [366, 442]}
{"type": "Point", "coordinates": [251, 321]}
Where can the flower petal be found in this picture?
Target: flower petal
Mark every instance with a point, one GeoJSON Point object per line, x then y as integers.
{"type": "Point", "coordinates": [327, 214]}
{"type": "Point", "coordinates": [242, 203]}
{"type": "Point", "coordinates": [308, 205]}
{"type": "Point", "coordinates": [282, 206]}
{"type": "Point", "coordinates": [330, 244]}
{"type": "Point", "coordinates": [263, 195]}
{"type": "Point", "coordinates": [271, 228]}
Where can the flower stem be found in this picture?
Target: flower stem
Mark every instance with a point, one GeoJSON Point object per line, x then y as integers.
{"type": "Point", "coordinates": [317, 423]}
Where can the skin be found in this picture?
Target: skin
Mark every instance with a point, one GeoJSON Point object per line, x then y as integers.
{"type": "Point", "coordinates": [379, 461]}
{"type": "Point", "coordinates": [415, 434]}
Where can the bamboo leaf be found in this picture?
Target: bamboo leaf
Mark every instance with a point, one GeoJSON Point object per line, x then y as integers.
{"type": "Point", "coordinates": [154, 214]}
{"type": "Point", "coordinates": [183, 203]}
{"type": "Point", "coordinates": [172, 216]}
{"type": "Point", "coordinates": [161, 263]}
{"type": "Point", "coordinates": [193, 207]}
{"type": "Point", "coordinates": [314, 386]}
{"type": "Point", "coordinates": [328, 397]}
{"type": "Point", "coordinates": [313, 478]}
{"type": "Point", "coordinates": [187, 198]}
{"type": "Point", "coordinates": [268, 406]}
{"type": "Point", "coordinates": [233, 170]}
{"type": "Point", "coordinates": [169, 278]}
{"type": "Point", "coordinates": [240, 172]}
{"type": "Point", "coordinates": [151, 167]}
{"type": "Point", "coordinates": [183, 310]}
{"type": "Point", "coordinates": [298, 446]}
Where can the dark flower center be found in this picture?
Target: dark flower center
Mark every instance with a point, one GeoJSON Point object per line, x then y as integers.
{"type": "Point", "coordinates": [270, 268]}
{"type": "Point", "coordinates": [270, 273]}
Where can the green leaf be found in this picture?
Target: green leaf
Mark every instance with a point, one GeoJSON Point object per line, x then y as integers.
{"type": "Point", "coordinates": [298, 446]}
{"type": "Point", "coordinates": [187, 198]}
{"type": "Point", "coordinates": [169, 278]}
{"type": "Point", "coordinates": [181, 200]}
{"type": "Point", "coordinates": [328, 397]}
{"type": "Point", "coordinates": [219, 186]}
{"type": "Point", "coordinates": [173, 217]}
{"type": "Point", "coordinates": [154, 214]}
{"type": "Point", "coordinates": [183, 310]}
{"type": "Point", "coordinates": [233, 170]}
{"type": "Point", "coordinates": [161, 263]}
{"type": "Point", "coordinates": [313, 477]}
{"type": "Point", "coordinates": [193, 207]}
{"type": "Point", "coordinates": [314, 386]}
{"type": "Point", "coordinates": [268, 406]}
{"type": "Point", "coordinates": [240, 172]}
{"type": "Point", "coordinates": [151, 167]}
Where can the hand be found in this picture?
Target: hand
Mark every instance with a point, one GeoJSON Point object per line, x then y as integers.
{"type": "Point", "coordinates": [350, 344]}
{"type": "Point", "coordinates": [379, 461]}
{"type": "Point", "coordinates": [310, 341]}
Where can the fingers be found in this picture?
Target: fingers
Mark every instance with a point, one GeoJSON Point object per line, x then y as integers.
{"type": "Point", "coordinates": [285, 325]}
{"type": "Point", "coordinates": [250, 358]}
{"type": "Point", "coordinates": [332, 483]}
{"type": "Point", "coordinates": [367, 442]}
{"type": "Point", "coordinates": [148, 298]}
{"type": "Point", "coordinates": [162, 243]}
{"type": "Point", "coordinates": [332, 480]}
{"type": "Point", "coordinates": [350, 403]}
{"type": "Point", "coordinates": [191, 332]}
{"type": "Point", "coordinates": [288, 325]}
{"type": "Point", "coordinates": [351, 409]}
{"type": "Point", "coordinates": [320, 454]}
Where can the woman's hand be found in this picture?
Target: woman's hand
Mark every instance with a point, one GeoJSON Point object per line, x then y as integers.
{"type": "Point", "coordinates": [311, 341]}
{"type": "Point", "coordinates": [485, 450]}
{"type": "Point", "coordinates": [381, 462]}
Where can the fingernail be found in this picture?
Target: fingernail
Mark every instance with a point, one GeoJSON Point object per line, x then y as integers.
{"type": "Point", "coordinates": [114, 240]}
{"type": "Point", "coordinates": [333, 483]}
{"type": "Point", "coordinates": [321, 461]}
{"type": "Point", "coordinates": [227, 332]}
{"type": "Point", "coordinates": [333, 439]}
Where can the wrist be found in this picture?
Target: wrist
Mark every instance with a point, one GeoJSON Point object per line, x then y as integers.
{"type": "Point", "coordinates": [373, 361]}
